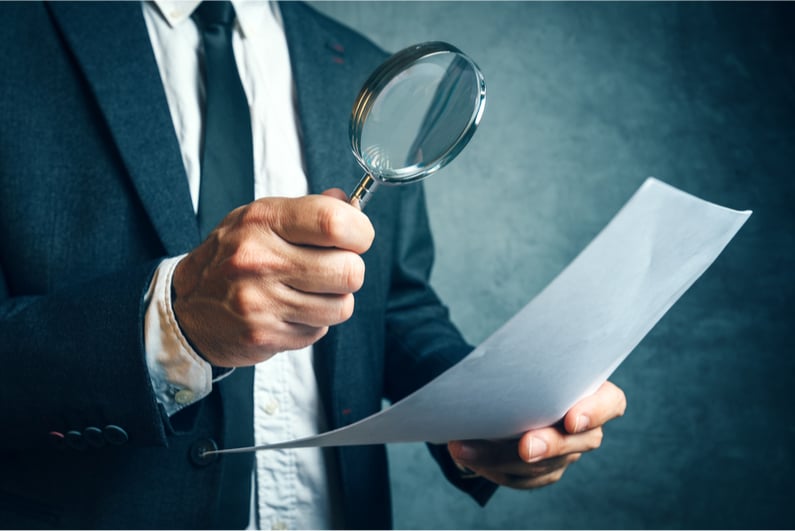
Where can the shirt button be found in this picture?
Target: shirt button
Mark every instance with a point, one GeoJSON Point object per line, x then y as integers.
{"type": "Point", "coordinates": [271, 406]}
{"type": "Point", "coordinates": [184, 397]}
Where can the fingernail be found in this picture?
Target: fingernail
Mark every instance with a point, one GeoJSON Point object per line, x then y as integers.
{"type": "Point", "coordinates": [538, 449]}
{"type": "Point", "coordinates": [583, 421]}
{"type": "Point", "coordinates": [466, 452]}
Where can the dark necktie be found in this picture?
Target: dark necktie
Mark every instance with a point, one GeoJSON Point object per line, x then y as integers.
{"type": "Point", "coordinates": [227, 181]}
{"type": "Point", "coordinates": [227, 165]}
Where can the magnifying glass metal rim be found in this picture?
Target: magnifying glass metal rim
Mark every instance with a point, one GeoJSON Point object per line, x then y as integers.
{"type": "Point", "coordinates": [372, 88]}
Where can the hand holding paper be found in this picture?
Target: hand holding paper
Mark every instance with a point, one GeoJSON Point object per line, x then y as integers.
{"type": "Point", "coordinates": [565, 343]}
{"type": "Point", "coordinates": [540, 457]}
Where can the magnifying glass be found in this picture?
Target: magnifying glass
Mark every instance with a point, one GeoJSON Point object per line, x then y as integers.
{"type": "Point", "coordinates": [414, 114]}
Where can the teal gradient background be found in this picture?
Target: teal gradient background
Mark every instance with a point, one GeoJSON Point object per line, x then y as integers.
{"type": "Point", "coordinates": [586, 100]}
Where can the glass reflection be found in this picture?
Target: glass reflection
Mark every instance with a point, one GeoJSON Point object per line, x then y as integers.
{"type": "Point", "coordinates": [415, 114]}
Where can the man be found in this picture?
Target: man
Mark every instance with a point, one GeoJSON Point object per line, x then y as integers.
{"type": "Point", "coordinates": [122, 316]}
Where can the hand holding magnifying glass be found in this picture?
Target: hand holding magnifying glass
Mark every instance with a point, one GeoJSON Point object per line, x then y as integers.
{"type": "Point", "coordinates": [414, 114]}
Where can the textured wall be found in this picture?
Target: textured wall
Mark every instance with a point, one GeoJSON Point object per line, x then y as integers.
{"type": "Point", "coordinates": [586, 100]}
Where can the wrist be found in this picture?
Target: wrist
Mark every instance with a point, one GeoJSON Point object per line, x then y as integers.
{"type": "Point", "coordinates": [178, 374]}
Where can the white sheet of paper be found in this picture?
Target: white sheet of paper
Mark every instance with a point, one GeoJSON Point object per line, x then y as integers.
{"type": "Point", "coordinates": [566, 342]}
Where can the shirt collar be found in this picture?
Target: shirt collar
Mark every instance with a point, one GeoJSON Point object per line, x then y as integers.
{"type": "Point", "coordinates": [178, 11]}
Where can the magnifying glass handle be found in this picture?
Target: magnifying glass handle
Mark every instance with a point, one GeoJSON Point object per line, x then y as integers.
{"type": "Point", "coordinates": [364, 190]}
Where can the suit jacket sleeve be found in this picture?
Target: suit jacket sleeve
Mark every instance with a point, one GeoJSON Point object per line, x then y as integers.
{"type": "Point", "coordinates": [77, 248]}
{"type": "Point", "coordinates": [74, 358]}
{"type": "Point", "coordinates": [421, 341]}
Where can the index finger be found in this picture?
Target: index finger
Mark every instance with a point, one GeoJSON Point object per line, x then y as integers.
{"type": "Point", "coordinates": [321, 221]}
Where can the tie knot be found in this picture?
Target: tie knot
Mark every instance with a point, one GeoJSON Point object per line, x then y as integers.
{"type": "Point", "coordinates": [211, 14]}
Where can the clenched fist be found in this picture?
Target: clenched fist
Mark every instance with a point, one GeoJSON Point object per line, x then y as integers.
{"type": "Point", "coordinates": [273, 276]}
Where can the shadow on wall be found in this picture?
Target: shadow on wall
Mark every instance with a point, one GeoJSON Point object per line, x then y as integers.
{"type": "Point", "coordinates": [585, 101]}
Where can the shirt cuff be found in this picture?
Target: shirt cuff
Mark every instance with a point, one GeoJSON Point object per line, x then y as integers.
{"type": "Point", "coordinates": [179, 375]}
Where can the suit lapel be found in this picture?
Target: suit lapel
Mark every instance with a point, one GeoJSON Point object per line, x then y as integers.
{"type": "Point", "coordinates": [111, 46]}
{"type": "Point", "coordinates": [326, 84]}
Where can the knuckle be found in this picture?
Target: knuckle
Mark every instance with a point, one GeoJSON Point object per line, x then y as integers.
{"type": "Point", "coordinates": [242, 258]}
{"type": "Point", "coordinates": [595, 441]}
{"type": "Point", "coordinates": [353, 273]}
{"type": "Point", "coordinates": [294, 343]}
{"type": "Point", "coordinates": [557, 475]}
{"type": "Point", "coordinates": [255, 338]}
{"type": "Point", "coordinates": [369, 233]}
{"type": "Point", "coordinates": [329, 220]}
{"type": "Point", "coordinates": [573, 458]}
{"type": "Point", "coordinates": [622, 404]}
{"type": "Point", "coordinates": [256, 212]}
{"type": "Point", "coordinates": [303, 337]}
{"type": "Point", "coordinates": [615, 398]}
{"type": "Point", "coordinates": [265, 341]}
{"type": "Point", "coordinates": [272, 262]}
{"type": "Point", "coordinates": [244, 300]}
{"type": "Point", "coordinates": [346, 307]}
{"type": "Point", "coordinates": [250, 257]}
{"type": "Point", "coordinates": [311, 337]}
{"type": "Point", "coordinates": [319, 334]}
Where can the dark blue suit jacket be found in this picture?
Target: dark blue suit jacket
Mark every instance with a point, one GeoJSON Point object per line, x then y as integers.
{"type": "Point", "coordinates": [93, 195]}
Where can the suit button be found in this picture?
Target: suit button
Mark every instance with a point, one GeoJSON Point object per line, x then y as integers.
{"type": "Point", "coordinates": [56, 439]}
{"type": "Point", "coordinates": [94, 437]}
{"type": "Point", "coordinates": [115, 435]}
{"type": "Point", "coordinates": [74, 440]}
{"type": "Point", "coordinates": [197, 452]}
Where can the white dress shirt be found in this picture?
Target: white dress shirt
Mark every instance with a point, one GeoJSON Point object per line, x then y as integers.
{"type": "Point", "coordinates": [292, 490]}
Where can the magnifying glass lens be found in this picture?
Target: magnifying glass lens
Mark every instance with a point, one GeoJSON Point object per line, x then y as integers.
{"type": "Point", "coordinates": [415, 114]}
